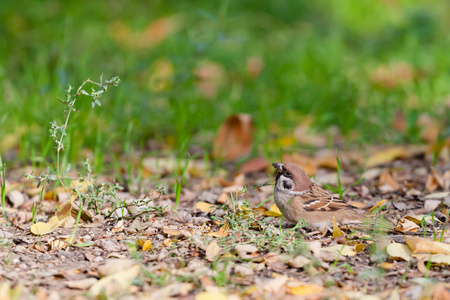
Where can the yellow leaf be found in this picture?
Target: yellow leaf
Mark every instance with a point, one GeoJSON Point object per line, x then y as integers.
{"type": "Point", "coordinates": [337, 232]}
{"type": "Point", "coordinates": [173, 232]}
{"type": "Point", "coordinates": [222, 232]}
{"type": "Point", "coordinates": [340, 249]}
{"type": "Point", "coordinates": [399, 251]}
{"type": "Point", "coordinates": [205, 207]}
{"type": "Point", "coordinates": [145, 244]}
{"type": "Point", "coordinates": [115, 283]}
{"type": "Point", "coordinates": [360, 247]}
{"type": "Point", "coordinates": [434, 258]}
{"type": "Point", "coordinates": [81, 185]}
{"type": "Point", "coordinates": [211, 295]}
{"type": "Point", "coordinates": [385, 156]}
{"type": "Point", "coordinates": [41, 228]}
{"type": "Point", "coordinates": [380, 203]}
{"type": "Point", "coordinates": [305, 289]}
{"type": "Point", "coordinates": [274, 211]}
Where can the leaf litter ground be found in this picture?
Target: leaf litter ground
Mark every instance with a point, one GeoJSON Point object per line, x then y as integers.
{"type": "Point", "coordinates": [224, 241]}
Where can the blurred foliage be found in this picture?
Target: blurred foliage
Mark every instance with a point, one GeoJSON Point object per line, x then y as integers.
{"type": "Point", "coordinates": [187, 65]}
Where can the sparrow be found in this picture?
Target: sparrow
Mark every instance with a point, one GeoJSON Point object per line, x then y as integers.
{"type": "Point", "coordinates": [299, 198]}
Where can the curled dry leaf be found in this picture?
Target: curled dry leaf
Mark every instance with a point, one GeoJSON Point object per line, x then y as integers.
{"type": "Point", "coordinates": [434, 181]}
{"type": "Point", "coordinates": [337, 232]}
{"type": "Point", "coordinates": [387, 183]}
{"type": "Point", "coordinates": [418, 245]}
{"type": "Point", "coordinates": [274, 211]}
{"type": "Point", "coordinates": [61, 216]}
{"type": "Point", "coordinates": [234, 138]}
{"type": "Point", "coordinates": [222, 232]}
{"type": "Point", "coordinates": [405, 225]}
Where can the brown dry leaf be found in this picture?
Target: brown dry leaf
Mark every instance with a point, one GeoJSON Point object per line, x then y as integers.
{"type": "Point", "coordinates": [205, 206]}
{"type": "Point", "coordinates": [387, 266]}
{"type": "Point", "coordinates": [385, 156]}
{"type": "Point", "coordinates": [210, 77]}
{"type": "Point", "coordinates": [274, 211]}
{"type": "Point", "coordinates": [119, 226]}
{"type": "Point", "coordinates": [391, 76]}
{"type": "Point", "coordinates": [57, 243]}
{"type": "Point", "coordinates": [173, 232]}
{"type": "Point", "coordinates": [234, 138]}
{"type": "Point", "coordinates": [254, 165]}
{"type": "Point", "coordinates": [304, 289]}
{"type": "Point", "coordinates": [245, 250]}
{"type": "Point", "coordinates": [61, 215]}
{"type": "Point", "coordinates": [337, 232]}
{"type": "Point", "coordinates": [387, 183]}
{"type": "Point", "coordinates": [50, 195]}
{"type": "Point", "coordinates": [405, 225]}
{"type": "Point", "coordinates": [115, 283]}
{"type": "Point", "coordinates": [434, 181]}
{"type": "Point", "coordinates": [430, 128]}
{"type": "Point", "coordinates": [303, 161]}
{"type": "Point", "coordinates": [254, 66]}
{"type": "Point", "coordinates": [213, 251]}
{"type": "Point", "coordinates": [380, 203]}
{"type": "Point", "coordinates": [398, 251]}
{"type": "Point", "coordinates": [157, 31]}
{"type": "Point", "coordinates": [425, 245]}
{"type": "Point", "coordinates": [441, 291]}
{"type": "Point", "coordinates": [222, 232]}
{"type": "Point", "coordinates": [421, 266]}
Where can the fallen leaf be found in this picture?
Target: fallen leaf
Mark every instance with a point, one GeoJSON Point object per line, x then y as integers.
{"type": "Point", "coordinates": [119, 226]}
{"type": "Point", "coordinates": [434, 258]}
{"type": "Point", "coordinates": [173, 232]}
{"type": "Point", "coordinates": [82, 284]}
{"type": "Point", "coordinates": [222, 232]}
{"type": "Point", "coordinates": [254, 165]}
{"type": "Point", "coordinates": [303, 289]}
{"type": "Point", "coordinates": [234, 138]}
{"type": "Point", "coordinates": [145, 244]}
{"type": "Point", "coordinates": [16, 198]}
{"type": "Point", "coordinates": [213, 251]}
{"type": "Point", "coordinates": [405, 225]}
{"type": "Point", "coordinates": [61, 215]}
{"type": "Point", "coordinates": [299, 262]}
{"type": "Point", "coordinates": [380, 203]}
{"type": "Point", "coordinates": [274, 211]}
{"type": "Point", "coordinates": [384, 156]}
{"type": "Point", "coordinates": [205, 206]}
{"type": "Point", "coordinates": [115, 283]}
{"type": "Point", "coordinates": [426, 245]}
{"type": "Point", "coordinates": [243, 250]}
{"type": "Point", "coordinates": [386, 179]}
{"type": "Point", "coordinates": [344, 250]}
{"type": "Point", "coordinates": [211, 295]}
{"type": "Point", "coordinates": [398, 251]}
{"type": "Point", "coordinates": [337, 232]}
{"type": "Point", "coordinates": [434, 181]}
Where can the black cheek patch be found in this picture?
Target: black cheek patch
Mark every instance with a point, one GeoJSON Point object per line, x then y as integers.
{"type": "Point", "coordinates": [287, 185]}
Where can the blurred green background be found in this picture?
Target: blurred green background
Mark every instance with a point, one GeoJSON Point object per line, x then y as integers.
{"type": "Point", "coordinates": [351, 67]}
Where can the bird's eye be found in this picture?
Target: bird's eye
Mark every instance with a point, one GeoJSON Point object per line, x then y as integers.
{"type": "Point", "coordinates": [287, 173]}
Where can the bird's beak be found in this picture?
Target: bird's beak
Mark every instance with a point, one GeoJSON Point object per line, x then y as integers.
{"type": "Point", "coordinates": [278, 166]}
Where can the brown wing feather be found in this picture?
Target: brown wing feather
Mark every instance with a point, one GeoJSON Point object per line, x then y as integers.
{"type": "Point", "coordinates": [320, 200]}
